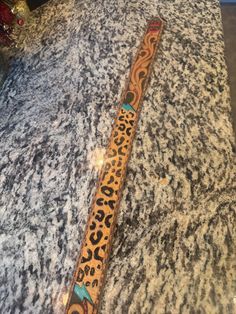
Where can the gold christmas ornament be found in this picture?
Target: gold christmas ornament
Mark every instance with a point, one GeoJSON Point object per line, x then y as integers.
{"type": "Point", "coordinates": [21, 11]}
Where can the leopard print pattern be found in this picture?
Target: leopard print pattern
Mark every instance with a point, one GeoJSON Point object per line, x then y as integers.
{"type": "Point", "coordinates": [89, 276]}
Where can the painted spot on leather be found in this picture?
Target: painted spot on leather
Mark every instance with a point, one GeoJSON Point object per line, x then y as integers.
{"type": "Point", "coordinates": [96, 254]}
{"type": "Point", "coordinates": [107, 221]}
{"type": "Point", "coordinates": [100, 214]}
{"type": "Point", "coordinates": [88, 258]}
{"type": "Point", "coordinates": [120, 152]}
{"type": "Point", "coordinates": [92, 226]}
{"type": "Point", "coordinates": [119, 141]}
{"type": "Point", "coordinates": [95, 237]}
{"type": "Point", "coordinates": [106, 190]}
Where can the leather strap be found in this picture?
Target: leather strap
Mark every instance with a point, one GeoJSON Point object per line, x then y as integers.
{"type": "Point", "coordinates": [89, 277]}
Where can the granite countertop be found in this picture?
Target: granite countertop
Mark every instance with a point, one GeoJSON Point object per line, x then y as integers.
{"type": "Point", "coordinates": [175, 243]}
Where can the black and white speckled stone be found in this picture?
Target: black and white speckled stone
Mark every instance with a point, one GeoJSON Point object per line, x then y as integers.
{"type": "Point", "coordinates": [174, 250]}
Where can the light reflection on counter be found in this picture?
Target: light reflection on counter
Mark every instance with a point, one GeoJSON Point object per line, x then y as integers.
{"type": "Point", "coordinates": [65, 298]}
{"type": "Point", "coordinates": [96, 158]}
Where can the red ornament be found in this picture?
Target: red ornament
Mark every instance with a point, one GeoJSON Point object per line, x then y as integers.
{"type": "Point", "coordinates": [6, 16]}
{"type": "Point", "coordinates": [8, 19]}
{"type": "Point", "coordinates": [20, 22]}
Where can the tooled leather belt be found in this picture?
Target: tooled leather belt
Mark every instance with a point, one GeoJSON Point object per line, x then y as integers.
{"type": "Point", "coordinates": [88, 281]}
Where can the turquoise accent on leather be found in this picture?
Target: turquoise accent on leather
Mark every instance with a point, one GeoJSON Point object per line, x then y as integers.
{"type": "Point", "coordinates": [82, 293]}
{"type": "Point", "coordinates": [128, 107]}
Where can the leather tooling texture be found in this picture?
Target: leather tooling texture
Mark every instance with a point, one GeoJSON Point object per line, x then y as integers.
{"type": "Point", "coordinates": [89, 277]}
{"type": "Point", "coordinates": [173, 248]}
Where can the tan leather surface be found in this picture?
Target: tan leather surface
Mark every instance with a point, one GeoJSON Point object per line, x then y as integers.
{"type": "Point", "coordinates": [90, 274]}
